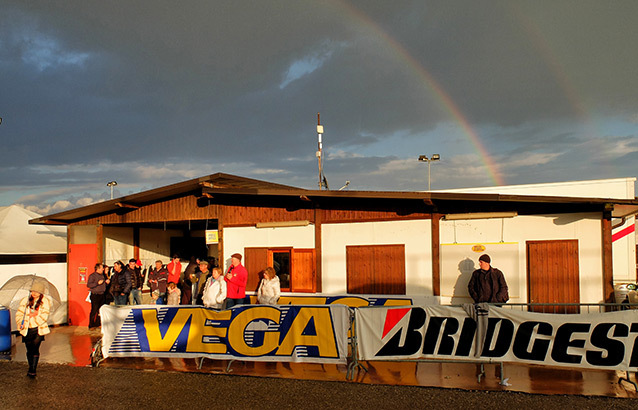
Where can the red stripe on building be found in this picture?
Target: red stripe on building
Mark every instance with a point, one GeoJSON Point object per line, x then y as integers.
{"type": "Point", "coordinates": [621, 234]}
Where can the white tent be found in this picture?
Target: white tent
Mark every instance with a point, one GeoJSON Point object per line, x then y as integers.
{"type": "Point", "coordinates": [19, 240]}
{"type": "Point", "coordinates": [18, 237]}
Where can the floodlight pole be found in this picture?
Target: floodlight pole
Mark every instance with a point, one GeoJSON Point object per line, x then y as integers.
{"type": "Point", "coordinates": [424, 158]}
{"type": "Point", "coordinates": [111, 185]}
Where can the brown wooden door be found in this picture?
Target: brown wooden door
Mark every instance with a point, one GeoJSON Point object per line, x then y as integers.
{"type": "Point", "coordinates": [375, 269]}
{"type": "Point", "coordinates": [552, 274]}
{"type": "Point", "coordinates": [303, 270]}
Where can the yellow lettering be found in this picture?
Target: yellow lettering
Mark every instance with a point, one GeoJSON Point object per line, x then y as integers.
{"type": "Point", "coordinates": [324, 339]}
{"type": "Point", "coordinates": [156, 342]}
{"type": "Point", "coordinates": [242, 320]}
{"type": "Point", "coordinates": [352, 302]}
{"type": "Point", "coordinates": [203, 331]}
{"type": "Point", "coordinates": [296, 300]}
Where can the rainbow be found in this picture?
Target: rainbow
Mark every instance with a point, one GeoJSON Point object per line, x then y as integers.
{"type": "Point", "coordinates": [403, 55]}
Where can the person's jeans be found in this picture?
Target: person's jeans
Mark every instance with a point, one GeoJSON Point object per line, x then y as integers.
{"type": "Point", "coordinates": [234, 302]}
{"type": "Point", "coordinates": [120, 300]}
{"type": "Point", "coordinates": [136, 297]}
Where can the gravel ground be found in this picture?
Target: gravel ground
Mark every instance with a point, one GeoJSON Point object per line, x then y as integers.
{"type": "Point", "coordinates": [66, 387]}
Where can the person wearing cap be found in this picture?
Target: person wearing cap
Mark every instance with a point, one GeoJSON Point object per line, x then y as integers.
{"type": "Point", "coordinates": [200, 282]}
{"type": "Point", "coordinates": [487, 284]}
{"type": "Point", "coordinates": [31, 318]}
{"type": "Point", "coordinates": [236, 278]}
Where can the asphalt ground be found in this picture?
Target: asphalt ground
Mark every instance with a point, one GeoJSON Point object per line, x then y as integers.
{"type": "Point", "coordinates": [68, 387]}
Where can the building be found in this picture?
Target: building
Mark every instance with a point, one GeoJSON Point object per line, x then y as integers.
{"type": "Point", "coordinates": [418, 245]}
{"type": "Point", "coordinates": [31, 249]}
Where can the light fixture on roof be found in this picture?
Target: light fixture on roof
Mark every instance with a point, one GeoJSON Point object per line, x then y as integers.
{"type": "Point", "coordinates": [111, 184]}
{"type": "Point", "coordinates": [424, 158]}
{"type": "Point", "coordinates": [480, 215]}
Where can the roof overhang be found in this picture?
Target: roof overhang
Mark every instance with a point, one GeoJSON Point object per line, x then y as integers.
{"type": "Point", "coordinates": [229, 189]}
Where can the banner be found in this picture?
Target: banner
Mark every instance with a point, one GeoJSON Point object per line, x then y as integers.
{"type": "Point", "coordinates": [594, 341]}
{"type": "Point", "coordinates": [316, 334]}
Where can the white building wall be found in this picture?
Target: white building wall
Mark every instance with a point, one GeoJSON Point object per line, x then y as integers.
{"type": "Point", "coordinates": [236, 239]}
{"type": "Point", "coordinates": [155, 244]}
{"type": "Point", "coordinates": [118, 244]}
{"type": "Point", "coordinates": [618, 188]}
{"type": "Point", "coordinates": [623, 249]}
{"type": "Point", "coordinates": [585, 228]}
{"type": "Point", "coordinates": [415, 235]}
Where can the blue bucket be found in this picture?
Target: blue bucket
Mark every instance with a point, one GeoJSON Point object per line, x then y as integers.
{"type": "Point", "coordinates": [5, 329]}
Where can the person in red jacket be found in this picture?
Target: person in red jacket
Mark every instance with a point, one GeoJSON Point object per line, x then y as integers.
{"type": "Point", "coordinates": [174, 270]}
{"type": "Point", "coordinates": [236, 278]}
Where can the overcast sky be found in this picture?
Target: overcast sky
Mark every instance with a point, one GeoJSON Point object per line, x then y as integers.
{"type": "Point", "coordinates": [153, 92]}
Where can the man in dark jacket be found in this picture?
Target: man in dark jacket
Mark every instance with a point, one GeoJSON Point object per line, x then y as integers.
{"type": "Point", "coordinates": [97, 284]}
{"type": "Point", "coordinates": [120, 283]}
{"type": "Point", "coordinates": [487, 283]}
{"type": "Point", "coordinates": [137, 281]}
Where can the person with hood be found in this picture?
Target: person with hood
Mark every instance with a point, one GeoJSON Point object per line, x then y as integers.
{"type": "Point", "coordinates": [236, 279]}
{"type": "Point", "coordinates": [487, 284]}
{"type": "Point", "coordinates": [97, 284]}
{"type": "Point", "coordinates": [269, 288]}
{"type": "Point", "coordinates": [215, 290]}
{"type": "Point", "coordinates": [31, 318]}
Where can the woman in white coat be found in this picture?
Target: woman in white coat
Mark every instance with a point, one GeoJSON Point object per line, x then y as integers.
{"type": "Point", "coordinates": [215, 290]}
{"type": "Point", "coordinates": [269, 289]}
{"type": "Point", "coordinates": [31, 318]}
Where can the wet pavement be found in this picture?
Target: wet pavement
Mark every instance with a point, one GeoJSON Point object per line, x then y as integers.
{"type": "Point", "coordinates": [71, 347]}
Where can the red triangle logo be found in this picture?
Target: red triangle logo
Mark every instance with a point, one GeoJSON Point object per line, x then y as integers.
{"type": "Point", "coordinates": [392, 318]}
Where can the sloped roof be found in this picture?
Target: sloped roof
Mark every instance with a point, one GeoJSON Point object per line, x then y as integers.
{"type": "Point", "coordinates": [18, 237]}
{"type": "Point", "coordinates": [192, 186]}
{"type": "Point", "coordinates": [239, 190]}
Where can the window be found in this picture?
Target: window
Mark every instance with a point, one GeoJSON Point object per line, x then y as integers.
{"type": "Point", "coordinates": [295, 267]}
{"type": "Point", "coordinates": [376, 269]}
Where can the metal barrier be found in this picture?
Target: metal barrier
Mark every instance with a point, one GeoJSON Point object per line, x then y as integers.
{"type": "Point", "coordinates": [548, 308]}
{"type": "Point", "coordinates": [567, 308]}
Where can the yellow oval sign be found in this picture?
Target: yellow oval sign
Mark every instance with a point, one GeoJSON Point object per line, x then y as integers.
{"type": "Point", "coordinates": [478, 248]}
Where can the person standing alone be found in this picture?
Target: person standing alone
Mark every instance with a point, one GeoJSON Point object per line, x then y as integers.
{"type": "Point", "coordinates": [31, 318]}
{"type": "Point", "coordinates": [487, 284]}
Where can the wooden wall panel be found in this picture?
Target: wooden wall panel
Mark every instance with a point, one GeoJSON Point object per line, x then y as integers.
{"type": "Point", "coordinates": [178, 209]}
{"type": "Point", "coordinates": [334, 215]}
{"type": "Point", "coordinates": [250, 215]}
{"type": "Point", "coordinates": [303, 270]}
{"type": "Point", "coordinates": [553, 273]}
{"type": "Point", "coordinates": [375, 269]}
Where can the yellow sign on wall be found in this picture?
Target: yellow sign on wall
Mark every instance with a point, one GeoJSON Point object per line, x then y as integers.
{"type": "Point", "coordinates": [212, 236]}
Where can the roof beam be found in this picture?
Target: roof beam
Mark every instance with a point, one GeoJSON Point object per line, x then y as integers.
{"type": "Point", "coordinates": [125, 205]}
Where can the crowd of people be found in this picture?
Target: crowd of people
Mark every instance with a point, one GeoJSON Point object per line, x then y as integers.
{"type": "Point", "coordinates": [202, 282]}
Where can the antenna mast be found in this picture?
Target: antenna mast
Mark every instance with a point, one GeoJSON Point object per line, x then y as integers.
{"type": "Point", "coordinates": [322, 178]}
